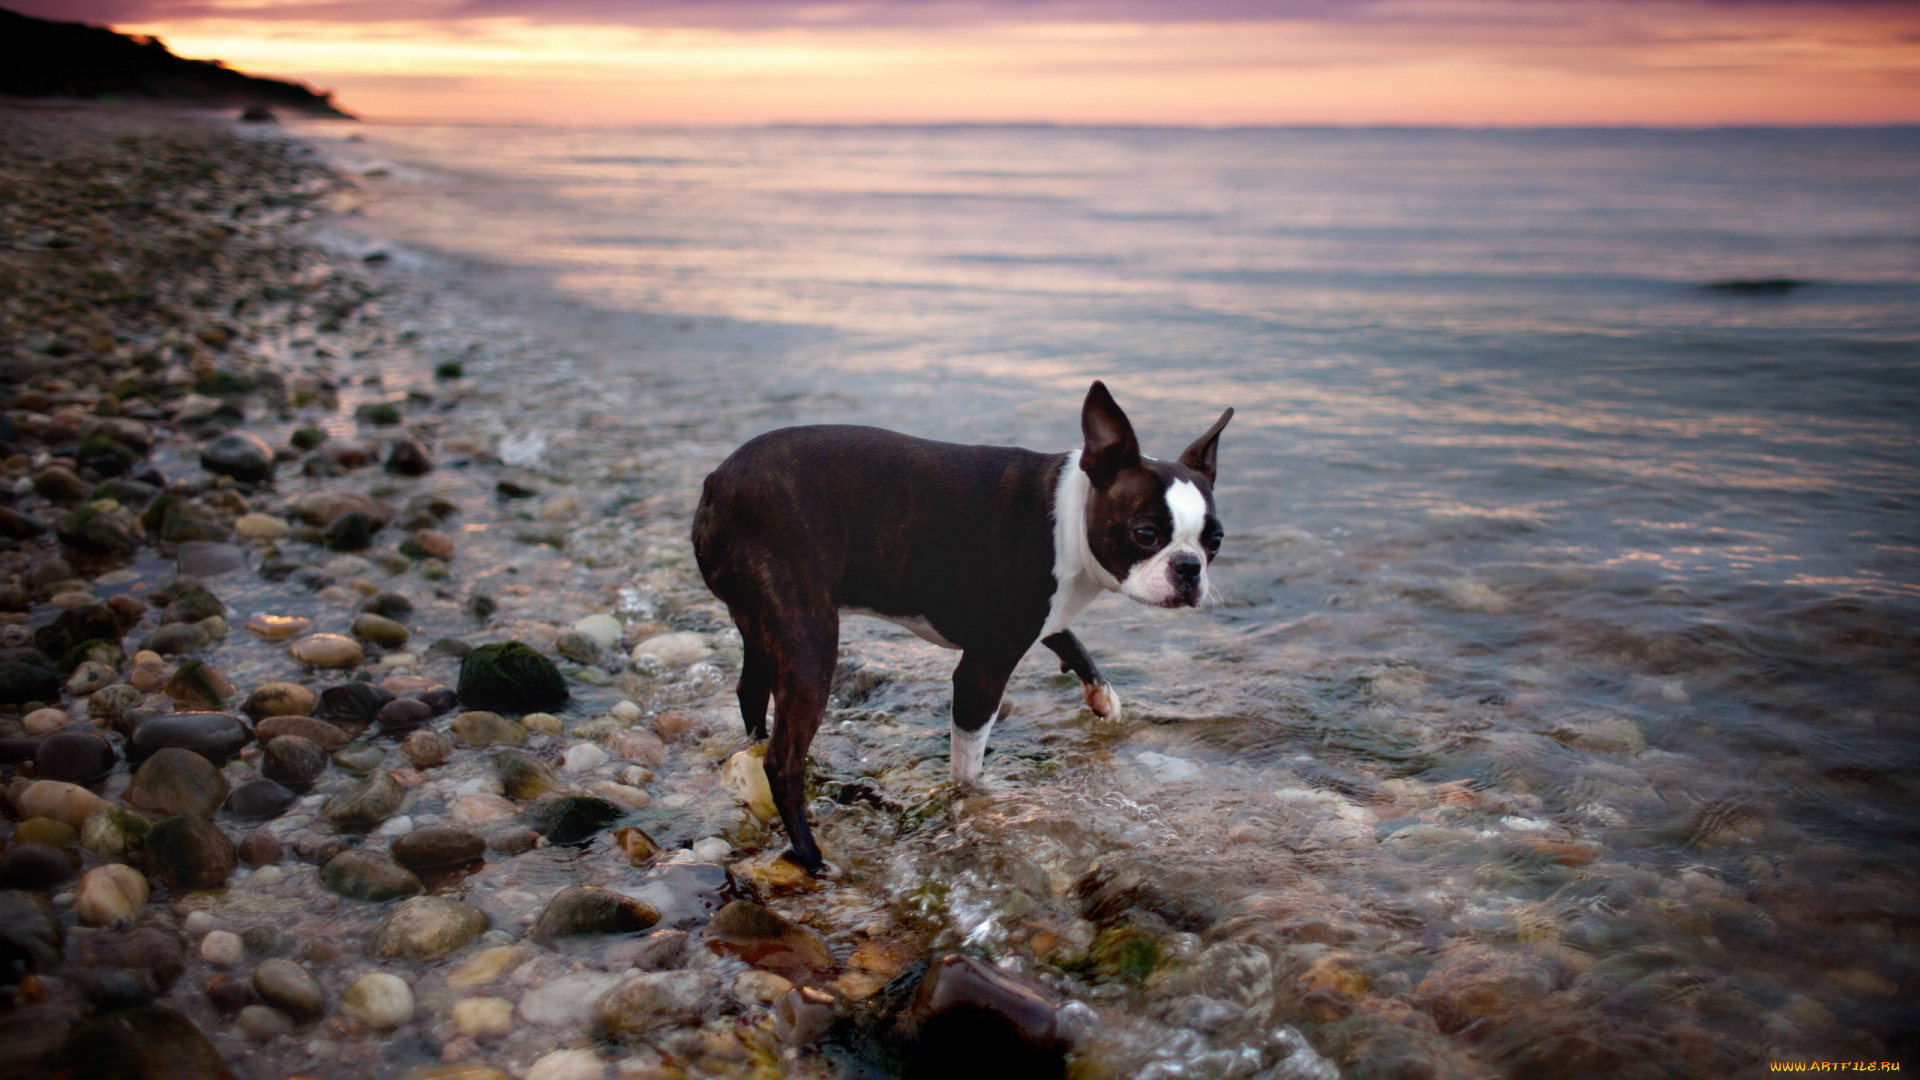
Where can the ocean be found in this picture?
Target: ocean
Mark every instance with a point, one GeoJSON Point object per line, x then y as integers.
{"type": "Point", "coordinates": [1567, 647]}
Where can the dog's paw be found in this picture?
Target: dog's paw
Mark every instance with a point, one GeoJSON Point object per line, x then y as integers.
{"type": "Point", "coordinates": [1103, 699]}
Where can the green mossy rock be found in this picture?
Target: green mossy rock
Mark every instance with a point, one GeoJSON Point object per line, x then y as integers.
{"type": "Point", "coordinates": [510, 677]}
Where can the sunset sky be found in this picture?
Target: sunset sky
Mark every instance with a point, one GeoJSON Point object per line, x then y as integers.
{"type": "Point", "coordinates": [1210, 62]}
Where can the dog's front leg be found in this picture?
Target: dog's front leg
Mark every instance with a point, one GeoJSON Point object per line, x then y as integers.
{"type": "Point", "coordinates": [978, 684]}
{"type": "Point", "coordinates": [1094, 687]}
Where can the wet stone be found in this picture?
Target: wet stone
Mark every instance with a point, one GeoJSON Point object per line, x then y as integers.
{"type": "Point", "coordinates": [510, 677]}
{"type": "Point", "coordinates": [263, 1022]}
{"type": "Point", "coordinates": [318, 849]}
{"type": "Point", "coordinates": [259, 798]}
{"type": "Point", "coordinates": [380, 630]}
{"type": "Point", "coordinates": [209, 558]}
{"type": "Point", "coordinates": [74, 757]}
{"type": "Point", "coordinates": [322, 734]}
{"type": "Point", "coordinates": [146, 1041]}
{"type": "Point", "coordinates": [661, 999]}
{"type": "Point", "coordinates": [280, 699]}
{"type": "Point", "coordinates": [198, 684]}
{"type": "Point", "coordinates": [369, 875]}
{"type": "Point", "coordinates": [238, 454]}
{"type": "Point", "coordinates": [651, 952]}
{"type": "Point", "coordinates": [287, 986]}
{"type": "Point", "coordinates": [426, 928]}
{"type": "Point", "coordinates": [427, 748]}
{"type": "Point", "coordinates": [327, 651]}
{"type": "Point", "coordinates": [359, 758]}
{"type": "Point", "coordinates": [578, 647]}
{"type": "Point", "coordinates": [570, 819]}
{"type": "Point", "coordinates": [351, 531]}
{"type": "Point", "coordinates": [293, 760]}
{"type": "Point", "coordinates": [30, 932]}
{"type": "Point", "coordinates": [803, 1015]}
{"type": "Point", "coordinates": [266, 940]}
{"type": "Point", "coordinates": [487, 729]}
{"type": "Point", "coordinates": [58, 800]}
{"type": "Point", "coordinates": [276, 628]}
{"type": "Point", "coordinates": [215, 736]}
{"type": "Point", "coordinates": [384, 1001]}
{"type": "Point", "coordinates": [388, 605]}
{"type": "Point", "coordinates": [89, 677]}
{"type": "Point", "coordinates": [367, 803]}
{"type": "Point", "coordinates": [523, 776]}
{"type": "Point", "coordinates": [438, 846]}
{"type": "Point", "coordinates": [403, 714]}
{"type": "Point", "coordinates": [223, 948]}
{"type": "Point", "coordinates": [355, 704]}
{"type": "Point", "coordinates": [113, 831]}
{"type": "Point", "coordinates": [46, 831]}
{"type": "Point", "coordinates": [258, 526]}
{"type": "Point", "coordinates": [27, 675]}
{"type": "Point", "coordinates": [584, 911]}
{"type": "Point", "coordinates": [190, 853]}
{"type": "Point", "coordinates": [765, 939]}
{"type": "Point", "coordinates": [261, 848]}
{"type": "Point", "coordinates": [34, 867]}
{"type": "Point", "coordinates": [176, 781]}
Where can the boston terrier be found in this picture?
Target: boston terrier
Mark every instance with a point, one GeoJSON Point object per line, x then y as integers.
{"type": "Point", "coordinates": [984, 549]}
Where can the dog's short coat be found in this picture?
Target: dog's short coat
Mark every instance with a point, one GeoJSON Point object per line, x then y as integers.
{"type": "Point", "coordinates": [984, 549]}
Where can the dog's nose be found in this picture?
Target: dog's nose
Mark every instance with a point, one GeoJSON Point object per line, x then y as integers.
{"type": "Point", "coordinates": [1186, 566]}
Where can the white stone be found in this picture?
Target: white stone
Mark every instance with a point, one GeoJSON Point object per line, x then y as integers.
{"type": "Point", "coordinates": [568, 1065]}
{"type": "Point", "coordinates": [222, 948]}
{"type": "Point", "coordinates": [265, 876]}
{"type": "Point", "coordinates": [383, 1001]}
{"type": "Point", "coordinates": [395, 826]}
{"type": "Point", "coordinates": [346, 566]}
{"type": "Point", "coordinates": [712, 849]}
{"type": "Point", "coordinates": [199, 922]}
{"type": "Point", "coordinates": [626, 712]}
{"type": "Point", "coordinates": [675, 649]}
{"type": "Point", "coordinates": [568, 1001]}
{"type": "Point", "coordinates": [604, 629]}
{"type": "Point", "coordinates": [483, 1017]}
{"type": "Point", "coordinates": [584, 757]}
{"type": "Point", "coordinates": [1167, 768]}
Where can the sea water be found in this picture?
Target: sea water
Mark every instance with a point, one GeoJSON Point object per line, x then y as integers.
{"type": "Point", "coordinates": [1558, 706]}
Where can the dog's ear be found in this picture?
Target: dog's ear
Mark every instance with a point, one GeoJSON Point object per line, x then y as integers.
{"type": "Point", "coordinates": [1111, 445]}
{"type": "Point", "coordinates": [1204, 454]}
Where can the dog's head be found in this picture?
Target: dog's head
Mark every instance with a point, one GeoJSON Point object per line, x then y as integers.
{"type": "Point", "coordinates": [1150, 523]}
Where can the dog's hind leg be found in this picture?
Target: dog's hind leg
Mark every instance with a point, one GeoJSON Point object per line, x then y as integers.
{"type": "Point", "coordinates": [802, 678]}
{"type": "Point", "coordinates": [756, 684]}
{"type": "Point", "coordinates": [1094, 687]}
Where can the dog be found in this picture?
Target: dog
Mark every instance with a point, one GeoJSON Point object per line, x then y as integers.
{"type": "Point", "coordinates": [984, 549]}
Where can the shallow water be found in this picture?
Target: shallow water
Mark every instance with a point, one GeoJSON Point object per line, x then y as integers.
{"type": "Point", "coordinates": [1557, 717]}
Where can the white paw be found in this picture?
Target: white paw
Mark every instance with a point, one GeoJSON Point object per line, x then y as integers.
{"type": "Point", "coordinates": [1104, 700]}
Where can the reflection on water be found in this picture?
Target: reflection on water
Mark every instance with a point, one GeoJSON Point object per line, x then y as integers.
{"type": "Point", "coordinates": [1559, 715]}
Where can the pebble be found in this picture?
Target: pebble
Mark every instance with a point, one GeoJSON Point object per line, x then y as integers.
{"type": "Point", "coordinates": [759, 987]}
{"type": "Point", "coordinates": [114, 831]}
{"type": "Point", "coordinates": [34, 867]}
{"type": "Point", "coordinates": [635, 744]}
{"type": "Point", "coordinates": [659, 999]}
{"type": "Point", "coordinates": [323, 735]}
{"type": "Point", "coordinates": [58, 800]}
{"type": "Point", "coordinates": [90, 676]}
{"type": "Point", "coordinates": [483, 1017]}
{"type": "Point", "coordinates": [258, 526]}
{"type": "Point", "coordinates": [45, 831]}
{"type": "Point", "coordinates": [438, 846]}
{"type": "Point", "coordinates": [568, 1065]}
{"type": "Point", "coordinates": [524, 776]}
{"type": "Point", "coordinates": [481, 808]}
{"type": "Point", "coordinates": [511, 677]}
{"type": "Point", "coordinates": [675, 649]}
{"type": "Point", "coordinates": [584, 757]}
{"type": "Point", "coordinates": [327, 651]}
{"type": "Point", "coordinates": [76, 757]}
{"type": "Point", "coordinates": [577, 647]}
{"type": "Point", "coordinates": [176, 639]}
{"type": "Point", "coordinates": [403, 714]}
{"type": "Point", "coordinates": [110, 892]}
{"type": "Point", "coordinates": [262, 1023]}
{"type": "Point", "coordinates": [286, 985]}
{"type": "Point", "coordinates": [222, 948]}
{"type": "Point", "coordinates": [384, 1001]}
{"type": "Point", "coordinates": [367, 803]}
{"type": "Point", "coordinates": [426, 928]}
{"type": "Point", "coordinates": [369, 875]}
{"type": "Point", "coordinates": [279, 698]}
{"type": "Point", "coordinates": [630, 797]}
{"type": "Point", "coordinates": [605, 630]}
{"type": "Point", "coordinates": [276, 628]}
{"type": "Point", "coordinates": [215, 736]}
{"type": "Point", "coordinates": [626, 712]}
{"type": "Point", "coordinates": [484, 967]}
{"type": "Point", "coordinates": [427, 748]}
{"type": "Point", "coordinates": [651, 952]}
{"type": "Point", "coordinates": [199, 921]}
{"type": "Point", "coordinates": [176, 781]}
{"type": "Point", "coordinates": [765, 939]}
{"type": "Point", "coordinates": [745, 778]}
{"type": "Point", "coordinates": [568, 1001]}
{"type": "Point", "coordinates": [478, 728]}
{"type": "Point", "coordinates": [430, 543]}
{"type": "Point", "coordinates": [293, 760]}
{"type": "Point", "coordinates": [45, 721]}
{"type": "Point", "coordinates": [198, 685]}
{"type": "Point", "coordinates": [583, 910]}
{"type": "Point", "coordinates": [240, 455]}
{"type": "Point", "coordinates": [259, 798]}
{"type": "Point", "coordinates": [570, 819]}
{"type": "Point", "coordinates": [380, 630]}
{"type": "Point", "coordinates": [191, 853]}
{"type": "Point", "coordinates": [544, 723]}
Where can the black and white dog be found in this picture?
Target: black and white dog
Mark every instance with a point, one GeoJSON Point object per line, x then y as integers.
{"type": "Point", "coordinates": [978, 548]}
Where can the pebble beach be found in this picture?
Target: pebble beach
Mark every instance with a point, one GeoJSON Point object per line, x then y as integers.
{"type": "Point", "coordinates": [362, 714]}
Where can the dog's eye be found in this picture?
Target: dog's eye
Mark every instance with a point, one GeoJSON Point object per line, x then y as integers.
{"type": "Point", "coordinates": [1212, 540]}
{"type": "Point", "coordinates": [1146, 536]}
